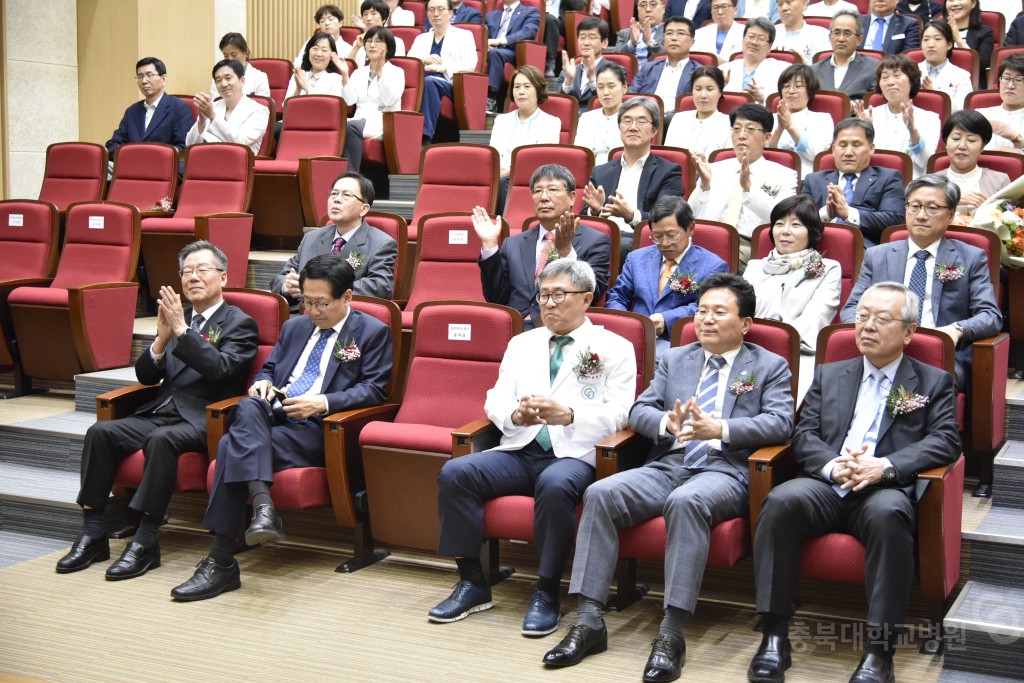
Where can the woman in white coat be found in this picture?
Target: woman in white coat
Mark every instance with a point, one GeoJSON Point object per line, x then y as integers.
{"type": "Point", "coordinates": [372, 90]}
{"type": "Point", "coordinates": [319, 73]}
{"type": "Point", "coordinates": [797, 128]}
{"type": "Point", "coordinates": [232, 118]}
{"type": "Point", "coordinates": [703, 129]}
{"type": "Point", "coordinates": [233, 46]}
{"type": "Point", "coordinates": [937, 71]}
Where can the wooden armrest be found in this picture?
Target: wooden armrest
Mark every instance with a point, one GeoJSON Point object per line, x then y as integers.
{"type": "Point", "coordinates": [476, 436]}
{"type": "Point", "coordinates": [342, 418]}
{"type": "Point", "coordinates": [1000, 338]}
{"type": "Point", "coordinates": [217, 422]}
{"type": "Point", "coordinates": [124, 401]}
{"type": "Point", "coordinates": [26, 282]}
{"type": "Point", "coordinates": [156, 214]}
{"type": "Point", "coordinates": [341, 438]}
{"type": "Point", "coordinates": [768, 466]}
{"type": "Point", "coordinates": [401, 303]}
{"type": "Point", "coordinates": [936, 473]}
{"type": "Point", "coordinates": [622, 450]}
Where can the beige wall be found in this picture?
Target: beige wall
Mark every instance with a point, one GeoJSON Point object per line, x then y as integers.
{"type": "Point", "coordinates": [4, 186]}
{"type": "Point", "coordinates": [278, 28]}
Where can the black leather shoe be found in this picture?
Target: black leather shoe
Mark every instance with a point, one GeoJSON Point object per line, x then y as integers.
{"type": "Point", "coordinates": [771, 660]}
{"type": "Point", "coordinates": [210, 580]}
{"type": "Point", "coordinates": [136, 560]}
{"type": "Point", "coordinates": [874, 667]}
{"type": "Point", "coordinates": [83, 553]}
{"type": "Point", "coordinates": [579, 642]}
{"type": "Point", "coordinates": [266, 527]}
{"type": "Point", "coordinates": [666, 660]}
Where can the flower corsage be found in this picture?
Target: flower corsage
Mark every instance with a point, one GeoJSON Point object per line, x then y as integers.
{"type": "Point", "coordinates": [589, 365]}
{"type": "Point", "coordinates": [743, 384]}
{"type": "Point", "coordinates": [356, 260]}
{"type": "Point", "coordinates": [213, 336]}
{"type": "Point", "coordinates": [901, 402]}
{"type": "Point", "coordinates": [346, 351]}
{"type": "Point", "coordinates": [683, 283]}
{"type": "Point", "coordinates": [948, 273]}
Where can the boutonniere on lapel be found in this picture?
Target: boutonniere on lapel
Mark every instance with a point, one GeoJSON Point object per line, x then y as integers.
{"type": "Point", "coordinates": [771, 190]}
{"type": "Point", "coordinates": [164, 205]}
{"type": "Point", "coordinates": [347, 351]}
{"type": "Point", "coordinates": [814, 267]}
{"type": "Point", "coordinates": [213, 336]}
{"type": "Point", "coordinates": [356, 260]}
{"type": "Point", "coordinates": [901, 402]}
{"type": "Point", "coordinates": [553, 255]}
{"type": "Point", "coordinates": [589, 365]}
{"type": "Point", "coordinates": [744, 383]}
{"type": "Point", "coordinates": [683, 283]}
{"type": "Point", "coordinates": [948, 273]}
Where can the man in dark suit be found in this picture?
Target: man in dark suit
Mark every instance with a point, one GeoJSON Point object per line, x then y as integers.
{"type": "Point", "coordinates": [461, 14]}
{"type": "Point", "coordinates": [554, 27]}
{"type": "Point", "coordinates": [950, 278]}
{"type": "Point", "coordinates": [580, 80]}
{"type": "Point", "coordinates": [671, 77]}
{"type": "Point", "coordinates": [858, 71]}
{"type": "Point", "coordinates": [513, 22]}
{"type": "Point", "coordinates": [624, 190]}
{"type": "Point", "coordinates": [709, 406]}
{"type": "Point", "coordinates": [335, 358]}
{"type": "Point", "coordinates": [1015, 33]}
{"type": "Point", "coordinates": [887, 31]}
{"type": "Point", "coordinates": [859, 450]}
{"type": "Point", "coordinates": [156, 118]}
{"type": "Point", "coordinates": [370, 252]}
{"type": "Point", "coordinates": [510, 274]}
{"type": "Point", "coordinates": [202, 355]}
{"type": "Point", "coordinates": [700, 13]}
{"type": "Point", "coordinates": [644, 37]}
{"type": "Point", "coordinates": [868, 197]}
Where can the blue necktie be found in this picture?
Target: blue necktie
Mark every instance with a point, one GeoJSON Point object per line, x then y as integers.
{"type": "Point", "coordinates": [880, 25]}
{"type": "Point", "coordinates": [309, 374]}
{"type": "Point", "coordinates": [543, 438]}
{"type": "Point", "coordinates": [848, 188]}
{"type": "Point", "coordinates": [867, 419]}
{"type": "Point", "coordinates": [198, 321]}
{"type": "Point", "coordinates": [918, 280]}
{"type": "Point", "coordinates": [697, 452]}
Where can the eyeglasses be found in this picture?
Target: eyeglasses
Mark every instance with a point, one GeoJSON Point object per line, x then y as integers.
{"type": "Point", "coordinates": [436, 10]}
{"type": "Point", "coordinates": [843, 34]}
{"type": "Point", "coordinates": [682, 34]}
{"type": "Point", "coordinates": [317, 305]}
{"type": "Point", "coordinates": [557, 296]}
{"type": "Point", "coordinates": [201, 271]}
{"type": "Point", "coordinates": [146, 77]}
{"type": "Point", "coordinates": [749, 130]}
{"type": "Point", "coordinates": [718, 314]}
{"type": "Point", "coordinates": [720, 8]}
{"type": "Point", "coordinates": [755, 39]}
{"type": "Point", "coordinates": [670, 237]}
{"type": "Point", "coordinates": [549, 191]}
{"type": "Point", "coordinates": [914, 208]}
{"type": "Point", "coordinates": [881, 319]}
{"type": "Point", "coordinates": [1012, 80]}
{"type": "Point", "coordinates": [346, 196]}
{"type": "Point", "coordinates": [587, 38]}
{"type": "Point", "coordinates": [628, 122]}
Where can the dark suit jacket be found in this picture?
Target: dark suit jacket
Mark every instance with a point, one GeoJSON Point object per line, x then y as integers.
{"type": "Point", "coordinates": [878, 196]}
{"type": "Point", "coordinates": [1015, 33]}
{"type": "Point", "coordinates": [507, 276]}
{"type": "Point", "coordinates": [374, 277]}
{"type": "Point", "coordinates": [522, 25]}
{"type": "Point", "coordinates": [464, 14]}
{"type": "Point", "coordinates": [622, 42]}
{"type": "Point", "coordinates": [355, 384]}
{"type": "Point", "coordinates": [982, 40]}
{"type": "Point", "coordinates": [906, 27]}
{"type": "Point", "coordinates": [927, 10]}
{"type": "Point", "coordinates": [659, 177]}
{"type": "Point", "coordinates": [195, 372]}
{"type": "Point", "coordinates": [860, 75]}
{"type": "Point", "coordinates": [171, 122]}
{"type": "Point", "coordinates": [675, 8]}
{"type": "Point", "coordinates": [646, 79]}
{"type": "Point", "coordinates": [583, 95]}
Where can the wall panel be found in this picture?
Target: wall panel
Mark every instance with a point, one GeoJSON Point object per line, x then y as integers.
{"type": "Point", "coordinates": [278, 28]}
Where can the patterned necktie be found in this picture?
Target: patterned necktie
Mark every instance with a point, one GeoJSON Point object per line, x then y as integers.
{"type": "Point", "coordinates": [697, 451]}
{"type": "Point", "coordinates": [339, 242]}
{"type": "Point", "coordinates": [666, 274]}
{"type": "Point", "coordinates": [543, 438]}
{"type": "Point", "coordinates": [309, 374]}
{"type": "Point", "coordinates": [879, 41]}
{"type": "Point", "coordinates": [198, 321]}
{"type": "Point", "coordinates": [918, 280]}
{"type": "Point", "coordinates": [545, 254]}
{"type": "Point", "coordinates": [848, 188]}
{"type": "Point", "coordinates": [867, 419]}
{"type": "Point", "coordinates": [506, 16]}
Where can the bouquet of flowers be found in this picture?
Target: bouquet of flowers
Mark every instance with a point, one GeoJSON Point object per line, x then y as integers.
{"type": "Point", "coordinates": [1003, 214]}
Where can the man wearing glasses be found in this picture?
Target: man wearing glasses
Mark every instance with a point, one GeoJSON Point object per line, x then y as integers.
{"type": "Point", "coordinates": [858, 454]}
{"type": "Point", "coordinates": [331, 359]}
{"type": "Point", "coordinates": [846, 70]}
{"type": "Point", "coordinates": [672, 77]}
{"type": "Point", "coordinates": [950, 277]}
{"type": "Point", "coordinates": [724, 37]}
{"type": "Point", "coordinates": [561, 388]}
{"type": "Point", "coordinates": [645, 35]}
{"type": "Point", "coordinates": [370, 251]}
{"type": "Point", "coordinates": [702, 431]}
{"type": "Point", "coordinates": [201, 355]}
{"type": "Point", "coordinates": [580, 79]}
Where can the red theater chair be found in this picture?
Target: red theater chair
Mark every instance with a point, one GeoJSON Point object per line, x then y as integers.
{"type": "Point", "coordinates": [279, 72]}
{"type": "Point", "coordinates": [969, 60]}
{"type": "Point", "coordinates": [456, 177]}
{"type": "Point", "coordinates": [526, 160]}
{"type": "Point", "coordinates": [75, 172]}
{"type": "Point", "coordinates": [897, 161]}
{"type": "Point", "coordinates": [676, 155]}
{"type": "Point", "coordinates": [565, 108]}
{"type": "Point", "coordinates": [785, 157]}
{"type": "Point", "coordinates": [145, 173]}
{"type": "Point", "coordinates": [929, 100]}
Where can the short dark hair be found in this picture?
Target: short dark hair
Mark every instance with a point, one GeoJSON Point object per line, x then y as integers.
{"type": "Point", "coordinates": [1014, 62]}
{"type": "Point", "coordinates": [536, 79]}
{"type": "Point", "coordinates": [380, 6]}
{"type": "Point", "coordinates": [384, 34]}
{"type": "Point", "coordinates": [970, 121]}
{"type": "Point", "coordinates": [365, 186]}
{"type": "Point", "coordinates": [744, 291]}
{"type": "Point", "coordinates": [682, 20]}
{"type": "Point", "coordinates": [317, 37]}
{"type": "Point", "coordinates": [753, 112]}
{"type": "Point", "coordinates": [671, 205]}
{"type": "Point", "coordinates": [161, 69]}
{"type": "Point", "coordinates": [235, 65]}
{"type": "Point", "coordinates": [904, 64]}
{"type": "Point", "coordinates": [554, 172]}
{"type": "Point", "coordinates": [764, 25]}
{"type": "Point", "coordinates": [201, 245]}
{"type": "Point", "coordinates": [332, 268]}
{"type": "Point", "coordinates": [805, 210]}
{"type": "Point", "coordinates": [235, 40]}
{"type": "Point", "coordinates": [805, 72]}
{"type": "Point", "coordinates": [592, 24]}
{"type": "Point", "coordinates": [854, 122]}
{"type": "Point", "coordinates": [712, 72]}
{"type": "Point", "coordinates": [645, 103]}
{"type": "Point", "coordinates": [617, 69]}
{"type": "Point", "coordinates": [943, 28]}
{"type": "Point", "coordinates": [329, 9]}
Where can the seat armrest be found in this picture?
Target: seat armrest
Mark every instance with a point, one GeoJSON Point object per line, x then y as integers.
{"type": "Point", "coordinates": [988, 393]}
{"type": "Point", "coordinates": [403, 139]}
{"type": "Point", "coordinates": [478, 435]}
{"type": "Point", "coordinates": [620, 451]}
{"type": "Point", "coordinates": [217, 422]}
{"type": "Point", "coordinates": [769, 466]}
{"type": "Point", "coordinates": [124, 401]}
{"type": "Point", "coordinates": [25, 282]}
{"type": "Point", "coordinates": [151, 213]}
{"type": "Point", "coordinates": [939, 520]}
{"type": "Point", "coordinates": [341, 438]}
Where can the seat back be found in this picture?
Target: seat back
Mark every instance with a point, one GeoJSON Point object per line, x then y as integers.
{"type": "Point", "coordinates": [312, 126]}
{"type": "Point", "coordinates": [874, 54]}
{"type": "Point", "coordinates": [1010, 163]}
{"type": "Point", "coordinates": [998, 55]}
{"type": "Point", "coordinates": [218, 179]}
{"type": "Point", "coordinates": [480, 37]}
{"type": "Point", "coordinates": [721, 239]}
{"type": "Point", "coordinates": [930, 100]}
{"type": "Point", "coordinates": [419, 12]}
{"type": "Point", "coordinates": [623, 59]}
{"type": "Point", "coordinates": [267, 145]}
{"type": "Point", "coordinates": [395, 227]}
{"type": "Point", "coordinates": [983, 239]}
{"type": "Point", "coordinates": [607, 227]}
{"type": "Point", "coordinates": [412, 96]}
{"type": "Point", "coordinates": [407, 33]}
{"type": "Point", "coordinates": [388, 313]}
{"type": "Point", "coordinates": [832, 102]}
{"type": "Point", "coordinates": [144, 174]}
{"type": "Point", "coordinates": [676, 155]}
{"type": "Point", "coordinates": [526, 160]}
{"type": "Point", "coordinates": [967, 59]}
{"type": "Point", "coordinates": [455, 344]}
{"type": "Point", "coordinates": [897, 161]}
{"type": "Point", "coordinates": [75, 172]}
{"type": "Point", "coordinates": [279, 72]}
{"type": "Point", "coordinates": [997, 22]}
{"type": "Point", "coordinates": [784, 157]}
{"type": "Point", "coordinates": [839, 342]}
{"type": "Point", "coordinates": [28, 239]}
{"type": "Point", "coordinates": [269, 310]}
{"type": "Point", "coordinates": [190, 101]}
{"type": "Point", "coordinates": [638, 330]}
{"type": "Point", "coordinates": [456, 177]}
{"type": "Point", "coordinates": [979, 99]}
{"type": "Point", "coordinates": [101, 244]}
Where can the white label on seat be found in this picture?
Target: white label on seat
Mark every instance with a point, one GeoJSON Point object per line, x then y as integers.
{"type": "Point", "coordinates": [459, 332]}
{"type": "Point", "coordinates": [458, 237]}
{"type": "Point", "coordinates": [16, 220]}
{"type": "Point", "coordinates": [95, 222]}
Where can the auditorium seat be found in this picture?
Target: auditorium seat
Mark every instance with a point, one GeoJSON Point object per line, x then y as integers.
{"type": "Point", "coordinates": [75, 172]}
{"type": "Point", "coordinates": [145, 173]}
{"type": "Point", "coordinates": [527, 159]}
{"type": "Point", "coordinates": [456, 177]}
{"type": "Point", "coordinates": [398, 151]}
{"type": "Point", "coordinates": [279, 72]}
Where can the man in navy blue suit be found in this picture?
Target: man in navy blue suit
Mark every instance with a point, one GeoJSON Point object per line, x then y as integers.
{"type": "Point", "coordinates": [514, 22]}
{"type": "Point", "coordinates": [671, 77]}
{"type": "Point", "coordinates": [885, 30]}
{"type": "Point", "coordinates": [335, 358]}
{"type": "Point", "coordinates": [644, 37]}
{"type": "Point", "coordinates": [461, 14]}
{"type": "Point", "coordinates": [868, 197]}
{"type": "Point", "coordinates": [663, 281]}
{"type": "Point", "coordinates": [156, 118]}
{"type": "Point", "coordinates": [697, 11]}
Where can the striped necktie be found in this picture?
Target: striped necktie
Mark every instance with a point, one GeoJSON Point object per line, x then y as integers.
{"type": "Point", "coordinates": [697, 452]}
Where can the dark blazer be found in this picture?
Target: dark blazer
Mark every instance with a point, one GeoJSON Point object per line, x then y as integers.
{"type": "Point", "coordinates": [522, 25]}
{"type": "Point", "coordinates": [464, 14]}
{"type": "Point", "coordinates": [171, 122]}
{"type": "Point", "coordinates": [623, 37]}
{"type": "Point", "coordinates": [374, 277]}
{"type": "Point", "coordinates": [577, 90]}
{"type": "Point", "coordinates": [878, 196]}
{"type": "Point", "coordinates": [927, 10]}
{"type": "Point", "coordinates": [860, 75]}
{"type": "Point", "coordinates": [675, 8]}
{"type": "Point", "coordinates": [355, 384]}
{"type": "Point", "coordinates": [1015, 33]}
{"type": "Point", "coordinates": [982, 40]}
{"type": "Point", "coordinates": [507, 275]}
{"type": "Point", "coordinates": [901, 34]}
{"type": "Point", "coordinates": [195, 372]}
{"type": "Point", "coordinates": [646, 79]}
{"type": "Point", "coordinates": [659, 177]}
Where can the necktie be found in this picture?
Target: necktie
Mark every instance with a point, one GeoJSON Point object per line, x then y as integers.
{"type": "Point", "coordinates": [697, 452]}
{"type": "Point", "coordinates": [198, 321]}
{"type": "Point", "coordinates": [735, 205]}
{"type": "Point", "coordinates": [339, 242]}
{"type": "Point", "coordinates": [848, 188]}
{"type": "Point", "coordinates": [666, 274]}
{"type": "Point", "coordinates": [545, 254]}
{"type": "Point", "coordinates": [933, 71]}
{"type": "Point", "coordinates": [543, 438]}
{"type": "Point", "coordinates": [309, 374]}
{"type": "Point", "coordinates": [918, 280]}
{"type": "Point", "coordinates": [879, 34]}
{"type": "Point", "coordinates": [867, 418]}
{"type": "Point", "coordinates": [506, 16]}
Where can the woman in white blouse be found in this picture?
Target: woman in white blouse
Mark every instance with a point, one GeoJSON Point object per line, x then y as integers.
{"type": "Point", "coordinates": [399, 16]}
{"type": "Point", "coordinates": [937, 71]}
{"type": "Point", "coordinates": [372, 13]}
{"type": "Point", "coordinates": [703, 129]}
{"type": "Point", "coordinates": [372, 90]}
{"type": "Point", "coordinates": [526, 125]}
{"type": "Point", "coordinates": [966, 133]}
{"type": "Point", "coordinates": [899, 125]}
{"type": "Point", "coordinates": [320, 72]}
{"type": "Point", "coordinates": [232, 118]}
{"type": "Point", "coordinates": [329, 19]}
{"type": "Point", "coordinates": [797, 128]}
{"type": "Point", "coordinates": [795, 284]}
{"type": "Point", "coordinates": [598, 129]}
{"type": "Point", "coordinates": [233, 46]}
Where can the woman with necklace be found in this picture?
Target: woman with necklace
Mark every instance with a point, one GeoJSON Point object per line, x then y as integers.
{"type": "Point", "coordinates": [703, 129]}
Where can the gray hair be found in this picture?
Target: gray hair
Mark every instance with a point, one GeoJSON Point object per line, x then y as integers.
{"type": "Point", "coordinates": [911, 304]}
{"type": "Point", "coordinates": [648, 105]}
{"type": "Point", "coordinates": [579, 273]}
{"type": "Point", "coordinates": [200, 245]}
{"type": "Point", "coordinates": [763, 24]}
{"type": "Point", "coordinates": [941, 182]}
{"type": "Point", "coordinates": [854, 122]}
{"type": "Point", "coordinates": [554, 172]}
{"type": "Point", "coordinates": [846, 13]}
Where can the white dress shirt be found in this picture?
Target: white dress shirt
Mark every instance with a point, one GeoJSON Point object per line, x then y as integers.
{"type": "Point", "coordinates": [151, 109]}
{"type": "Point", "coordinates": [629, 187]}
{"type": "Point", "coordinates": [766, 75]}
{"type": "Point", "coordinates": [927, 314]}
{"type": "Point", "coordinates": [822, 9]}
{"type": "Point", "coordinates": [510, 132]}
{"type": "Point", "coordinates": [246, 125]}
{"type": "Point", "coordinates": [598, 133]}
{"type": "Point", "coordinates": [700, 136]}
{"type": "Point", "coordinates": [668, 84]}
{"type": "Point", "coordinates": [891, 133]}
{"type": "Point", "coordinates": [807, 42]}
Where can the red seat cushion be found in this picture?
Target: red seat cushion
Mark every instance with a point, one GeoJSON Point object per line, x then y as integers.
{"type": "Point", "coordinates": [300, 488]}
{"type": "Point", "coordinates": [39, 296]}
{"type": "Point", "coordinates": [191, 471]}
{"type": "Point", "coordinates": [730, 541]}
{"type": "Point", "coordinates": [834, 557]}
{"type": "Point", "coordinates": [512, 517]}
{"type": "Point", "coordinates": [418, 437]}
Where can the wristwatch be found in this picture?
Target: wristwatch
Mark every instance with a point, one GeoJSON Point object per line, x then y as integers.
{"type": "Point", "coordinates": [888, 474]}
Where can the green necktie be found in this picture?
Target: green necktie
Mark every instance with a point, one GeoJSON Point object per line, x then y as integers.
{"type": "Point", "coordinates": [543, 438]}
